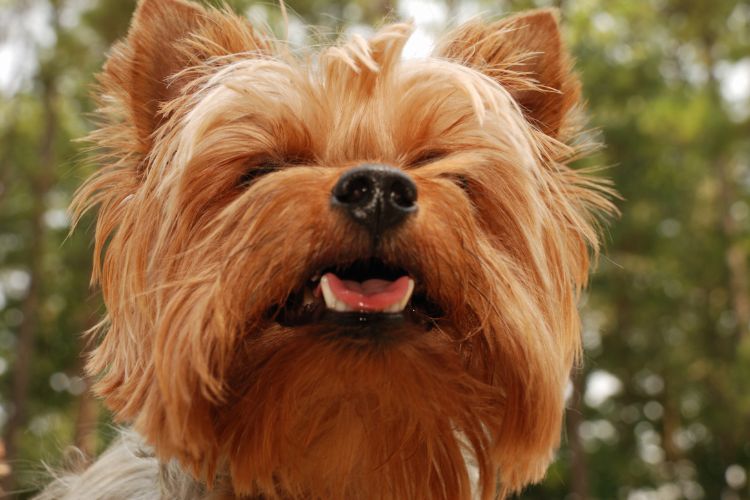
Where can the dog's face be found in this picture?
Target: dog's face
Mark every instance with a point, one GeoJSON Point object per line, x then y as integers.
{"type": "Point", "coordinates": [343, 275]}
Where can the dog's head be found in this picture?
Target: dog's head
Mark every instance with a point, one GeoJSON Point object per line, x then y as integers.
{"type": "Point", "coordinates": [341, 274]}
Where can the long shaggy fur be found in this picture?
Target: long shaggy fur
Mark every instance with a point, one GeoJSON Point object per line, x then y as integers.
{"type": "Point", "coordinates": [191, 257]}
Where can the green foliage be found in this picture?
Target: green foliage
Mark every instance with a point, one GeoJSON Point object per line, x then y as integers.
{"type": "Point", "coordinates": [667, 315]}
{"type": "Point", "coordinates": [666, 298]}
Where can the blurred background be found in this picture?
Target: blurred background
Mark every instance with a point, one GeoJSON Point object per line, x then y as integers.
{"type": "Point", "coordinates": [661, 408]}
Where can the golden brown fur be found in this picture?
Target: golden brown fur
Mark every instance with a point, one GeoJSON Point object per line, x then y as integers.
{"type": "Point", "coordinates": [190, 260]}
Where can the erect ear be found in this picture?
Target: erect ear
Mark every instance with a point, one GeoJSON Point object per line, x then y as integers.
{"type": "Point", "coordinates": [525, 54]}
{"type": "Point", "coordinates": [166, 37]}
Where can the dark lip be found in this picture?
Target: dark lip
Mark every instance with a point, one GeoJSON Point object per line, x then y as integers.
{"type": "Point", "coordinates": [419, 311]}
{"type": "Point", "coordinates": [356, 319]}
{"type": "Point", "coordinates": [365, 329]}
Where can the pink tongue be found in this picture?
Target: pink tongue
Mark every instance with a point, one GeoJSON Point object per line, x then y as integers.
{"type": "Point", "coordinates": [369, 295]}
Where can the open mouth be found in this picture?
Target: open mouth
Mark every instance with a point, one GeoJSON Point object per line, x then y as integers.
{"type": "Point", "coordinates": [372, 295]}
{"type": "Point", "coordinates": [362, 292]}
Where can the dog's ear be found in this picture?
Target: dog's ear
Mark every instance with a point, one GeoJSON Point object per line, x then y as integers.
{"type": "Point", "coordinates": [165, 38]}
{"type": "Point", "coordinates": [526, 55]}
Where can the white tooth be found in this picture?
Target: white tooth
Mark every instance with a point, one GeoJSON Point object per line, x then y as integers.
{"type": "Point", "coordinates": [341, 307]}
{"type": "Point", "coordinates": [400, 306]}
{"type": "Point", "coordinates": [328, 296]}
{"type": "Point", "coordinates": [407, 296]}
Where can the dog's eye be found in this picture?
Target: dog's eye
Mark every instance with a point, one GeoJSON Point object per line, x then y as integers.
{"type": "Point", "coordinates": [427, 156]}
{"type": "Point", "coordinates": [258, 167]}
{"type": "Point", "coordinates": [461, 181]}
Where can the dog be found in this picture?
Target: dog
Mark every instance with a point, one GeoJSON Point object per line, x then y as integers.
{"type": "Point", "coordinates": [335, 274]}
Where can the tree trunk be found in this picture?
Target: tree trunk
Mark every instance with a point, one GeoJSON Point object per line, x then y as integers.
{"type": "Point", "coordinates": [85, 432]}
{"type": "Point", "coordinates": [671, 423]}
{"type": "Point", "coordinates": [579, 480]}
{"type": "Point", "coordinates": [41, 182]}
{"type": "Point", "coordinates": [85, 437]}
{"type": "Point", "coordinates": [735, 254]}
{"type": "Point", "coordinates": [5, 163]}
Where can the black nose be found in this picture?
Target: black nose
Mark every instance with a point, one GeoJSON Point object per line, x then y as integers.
{"type": "Point", "coordinates": [377, 196]}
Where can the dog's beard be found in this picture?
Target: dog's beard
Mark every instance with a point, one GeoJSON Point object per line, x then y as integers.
{"type": "Point", "coordinates": [326, 415]}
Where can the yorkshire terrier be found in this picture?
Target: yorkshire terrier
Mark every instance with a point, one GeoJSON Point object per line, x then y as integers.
{"type": "Point", "coordinates": [335, 275]}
